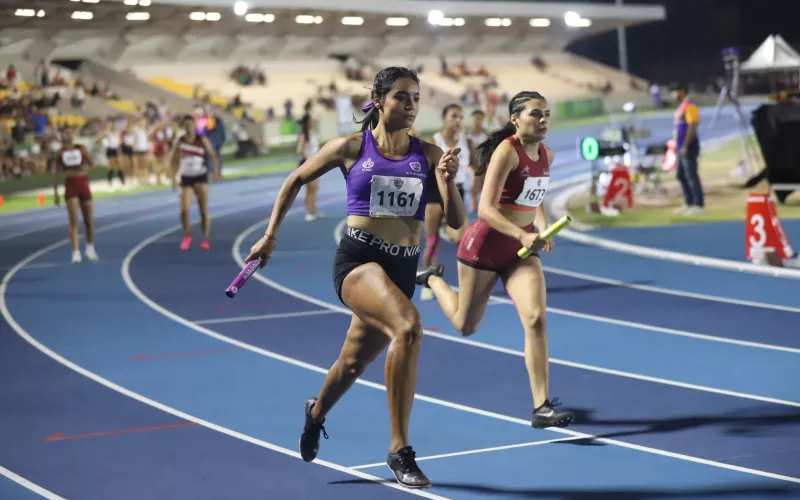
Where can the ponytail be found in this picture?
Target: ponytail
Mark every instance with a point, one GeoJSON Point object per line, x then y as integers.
{"type": "Point", "coordinates": [487, 147]}
{"type": "Point", "coordinates": [371, 119]}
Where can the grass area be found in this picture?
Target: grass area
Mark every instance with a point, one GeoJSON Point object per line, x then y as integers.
{"type": "Point", "coordinates": [18, 203]}
{"type": "Point", "coordinates": [45, 182]}
{"type": "Point", "coordinates": [725, 200]}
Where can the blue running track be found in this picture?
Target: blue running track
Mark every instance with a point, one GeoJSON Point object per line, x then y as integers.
{"type": "Point", "coordinates": [135, 377]}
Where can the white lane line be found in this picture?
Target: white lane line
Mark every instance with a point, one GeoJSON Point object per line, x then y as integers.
{"type": "Point", "coordinates": [235, 252]}
{"type": "Point", "coordinates": [670, 291]}
{"type": "Point", "coordinates": [138, 397]}
{"type": "Point", "coordinates": [481, 450]}
{"type": "Point", "coordinates": [237, 319]}
{"type": "Point", "coordinates": [494, 299]}
{"type": "Point", "coordinates": [49, 495]}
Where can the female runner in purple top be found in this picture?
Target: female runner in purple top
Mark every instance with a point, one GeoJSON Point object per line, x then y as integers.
{"type": "Point", "coordinates": [388, 175]}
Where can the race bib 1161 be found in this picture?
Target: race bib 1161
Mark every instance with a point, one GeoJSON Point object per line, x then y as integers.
{"type": "Point", "coordinates": [394, 196]}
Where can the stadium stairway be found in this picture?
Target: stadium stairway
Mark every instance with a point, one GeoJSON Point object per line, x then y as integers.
{"type": "Point", "coordinates": [140, 92]}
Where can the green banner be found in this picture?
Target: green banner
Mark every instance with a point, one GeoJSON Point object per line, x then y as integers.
{"type": "Point", "coordinates": [288, 127]}
{"type": "Point", "coordinates": [579, 108]}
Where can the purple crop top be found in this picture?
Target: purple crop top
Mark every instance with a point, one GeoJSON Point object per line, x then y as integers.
{"type": "Point", "coordinates": [381, 187]}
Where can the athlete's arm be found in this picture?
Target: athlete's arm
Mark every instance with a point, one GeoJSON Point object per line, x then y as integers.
{"type": "Point", "coordinates": [86, 157]}
{"type": "Point", "coordinates": [56, 179]}
{"type": "Point", "coordinates": [504, 160]}
{"type": "Point", "coordinates": [541, 212]}
{"type": "Point", "coordinates": [211, 154]}
{"type": "Point", "coordinates": [473, 155]}
{"type": "Point", "coordinates": [453, 206]}
{"type": "Point", "coordinates": [174, 161]}
{"type": "Point", "coordinates": [330, 156]}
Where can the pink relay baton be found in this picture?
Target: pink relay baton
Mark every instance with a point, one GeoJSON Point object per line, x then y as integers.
{"type": "Point", "coordinates": [248, 270]}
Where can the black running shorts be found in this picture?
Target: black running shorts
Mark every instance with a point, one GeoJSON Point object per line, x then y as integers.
{"type": "Point", "coordinates": [358, 247]}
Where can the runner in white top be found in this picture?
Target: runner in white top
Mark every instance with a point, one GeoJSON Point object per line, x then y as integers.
{"type": "Point", "coordinates": [141, 152]}
{"type": "Point", "coordinates": [126, 149]}
{"type": "Point", "coordinates": [110, 138]}
{"type": "Point", "coordinates": [477, 134]}
{"type": "Point", "coordinates": [307, 146]}
{"type": "Point", "coordinates": [450, 137]}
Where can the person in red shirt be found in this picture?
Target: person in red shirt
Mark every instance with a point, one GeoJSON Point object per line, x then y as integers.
{"type": "Point", "coordinates": [516, 165]}
{"type": "Point", "coordinates": [189, 161]}
{"type": "Point", "coordinates": [74, 162]}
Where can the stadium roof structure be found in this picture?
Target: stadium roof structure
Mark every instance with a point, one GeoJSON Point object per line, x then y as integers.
{"type": "Point", "coordinates": [127, 30]}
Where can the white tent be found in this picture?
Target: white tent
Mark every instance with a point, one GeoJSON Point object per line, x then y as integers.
{"type": "Point", "coordinates": [772, 55]}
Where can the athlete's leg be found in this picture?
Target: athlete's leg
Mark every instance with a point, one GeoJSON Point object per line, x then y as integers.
{"type": "Point", "coordinates": [73, 206]}
{"type": "Point", "coordinates": [87, 208]}
{"type": "Point", "coordinates": [312, 188]}
{"type": "Point", "coordinates": [525, 283]}
{"type": "Point", "coordinates": [380, 304]}
{"type": "Point", "coordinates": [201, 192]}
{"type": "Point", "coordinates": [361, 347]}
{"type": "Point", "coordinates": [475, 192]}
{"type": "Point", "coordinates": [186, 203]}
{"type": "Point", "coordinates": [466, 308]}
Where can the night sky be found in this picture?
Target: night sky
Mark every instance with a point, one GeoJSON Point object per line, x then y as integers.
{"type": "Point", "coordinates": [686, 46]}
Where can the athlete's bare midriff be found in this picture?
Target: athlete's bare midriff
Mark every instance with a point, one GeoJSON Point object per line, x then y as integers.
{"type": "Point", "coordinates": [403, 231]}
{"type": "Point", "coordinates": [519, 218]}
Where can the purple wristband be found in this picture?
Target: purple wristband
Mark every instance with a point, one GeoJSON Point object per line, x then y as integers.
{"type": "Point", "coordinates": [248, 270]}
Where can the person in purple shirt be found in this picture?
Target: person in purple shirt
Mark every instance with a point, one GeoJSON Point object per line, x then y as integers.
{"type": "Point", "coordinates": [389, 175]}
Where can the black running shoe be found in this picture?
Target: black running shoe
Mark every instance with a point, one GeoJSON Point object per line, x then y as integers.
{"type": "Point", "coordinates": [405, 468]}
{"type": "Point", "coordinates": [309, 440]}
{"type": "Point", "coordinates": [424, 274]}
{"type": "Point", "coordinates": [547, 416]}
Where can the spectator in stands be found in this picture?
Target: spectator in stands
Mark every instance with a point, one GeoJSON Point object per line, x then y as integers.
{"type": "Point", "coordinates": [42, 73]}
{"type": "Point", "coordinates": [539, 63]}
{"type": "Point", "coordinates": [352, 69]}
{"type": "Point", "coordinates": [687, 144]}
{"type": "Point", "coordinates": [245, 146]}
{"type": "Point", "coordinates": [12, 75]}
{"type": "Point", "coordinates": [655, 94]}
{"type": "Point", "coordinates": [163, 110]}
{"type": "Point", "coordinates": [287, 106]}
{"type": "Point", "coordinates": [446, 71]}
{"type": "Point", "coordinates": [39, 122]}
{"type": "Point", "coordinates": [78, 97]}
{"type": "Point", "coordinates": [59, 80]}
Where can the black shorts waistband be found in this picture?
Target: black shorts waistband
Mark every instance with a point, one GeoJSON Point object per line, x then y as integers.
{"type": "Point", "coordinates": [379, 244]}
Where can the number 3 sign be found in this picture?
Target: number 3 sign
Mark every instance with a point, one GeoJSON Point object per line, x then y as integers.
{"type": "Point", "coordinates": [763, 230]}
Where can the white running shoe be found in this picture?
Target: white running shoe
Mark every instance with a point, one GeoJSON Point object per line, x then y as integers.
{"type": "Point", "coordinates": [311, 217]}
{"type": "Point", "coordinates": [695, 210]}
{"type": "Point", "coordinates": [683, 210]}
{"type": "Point", "coordinates": [76, 257]}
{"type": "Point", "coordinates": [90, 252]}
{"type": "Point", "coordinates": [426, 294]}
